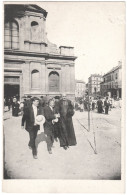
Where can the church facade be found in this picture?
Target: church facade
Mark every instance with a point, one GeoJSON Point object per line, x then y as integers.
{"type": "Point", "coordinates": [32, 64]}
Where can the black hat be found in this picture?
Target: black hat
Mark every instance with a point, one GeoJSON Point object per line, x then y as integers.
{"type": "Point", "coordinates": [57, 97]}
{"type": "Point", "coordinates": [29, 96]}
{"type": "Point", "coordinates": [34, 98]}
{"type": "Point", "coordinates": [24, 96]}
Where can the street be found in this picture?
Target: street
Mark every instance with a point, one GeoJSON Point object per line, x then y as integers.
{"type": "Point", "coordinates": [78, 162]}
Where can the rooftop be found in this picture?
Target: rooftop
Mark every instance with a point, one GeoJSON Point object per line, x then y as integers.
{"type": "Point", "coordinates": [113, 69]}
{"type": "Point", "coordinates": [79, 81]}
{"type": "Point", "coordinates": [95, 75]}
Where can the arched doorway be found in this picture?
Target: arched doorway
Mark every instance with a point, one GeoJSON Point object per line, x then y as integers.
{"type": "Point", "coordinates": [54, 82]}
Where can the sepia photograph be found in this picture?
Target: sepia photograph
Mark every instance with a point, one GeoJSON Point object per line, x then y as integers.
{"type": "Point", "coordinates": [63, 91]}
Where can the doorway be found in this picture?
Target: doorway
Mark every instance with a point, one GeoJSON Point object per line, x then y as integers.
{"type": "Point", "coordinates": [11, 91]}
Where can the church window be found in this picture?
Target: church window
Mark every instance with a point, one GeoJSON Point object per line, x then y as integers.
{"type": "Point", "coordinates": [53, 81]}
{"type": "Point", "coordinates": [35, 34]}
{"type": "Point", "coordinates": [11, 35]}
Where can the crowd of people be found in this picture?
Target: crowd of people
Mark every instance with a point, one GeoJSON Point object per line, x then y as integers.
{"type": "Point", "coordinates": [53, 113]}
{"type": "Point", "coordinates": [101, 105]}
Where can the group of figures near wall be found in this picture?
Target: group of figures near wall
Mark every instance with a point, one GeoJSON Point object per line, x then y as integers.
{"type": "Point", "coordinates": [102, 105]}
{"type": "Point", "coordinates": [54, 114]}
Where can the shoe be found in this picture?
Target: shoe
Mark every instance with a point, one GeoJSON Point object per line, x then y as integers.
{"type": "Point", "coordinates": [65, 147]}
{"type": "Point", "coordinates": [50, 151]}
{"type": "Point", "coordinates": [35, 157]}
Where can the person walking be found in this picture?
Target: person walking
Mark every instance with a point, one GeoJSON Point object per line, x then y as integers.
{"type": "Point", "coordinates": [100, 105]}
{"type": "Point", "coordinates": [106, 104]}
{"type": "Point", "coordinates": [93, 104]}
{"type": "Point", "coordinates": [15, 107]}
{"type": "Point", "coordinates": [50, 119]}
{"type": "Point", "coordinates": [56, 125]}
{"type": "Point", "coordinates": [31, 126]}
{"type": "Point", "coordinates": [28, 102]}
{"type": "Point", "coordinates": [9, 103]}
{"type": "Point", "coordinates": [67, 134]}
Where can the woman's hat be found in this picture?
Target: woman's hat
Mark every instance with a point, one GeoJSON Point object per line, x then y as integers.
{"type": "Point", "coordinates": [40, 120]}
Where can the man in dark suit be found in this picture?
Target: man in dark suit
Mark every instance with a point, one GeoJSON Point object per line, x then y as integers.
{"type": "Point", "coordinates": [50, 117]}
{"type": "Point", "coordinates": [106, 104]}
{"type": "Point", "coordinates": [30, 113]}
{"type": "Point", "coordinates": [28, 101]}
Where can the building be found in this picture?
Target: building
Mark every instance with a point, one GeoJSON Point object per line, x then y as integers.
{"type": "Point", "coordinates": [94, 83]}
{"type": "Point", "coordinates": [32, 64]}
{"type": "Point", "coordinates": [112, 82]}
{"type": "Point", "coordinates": [80, 87]}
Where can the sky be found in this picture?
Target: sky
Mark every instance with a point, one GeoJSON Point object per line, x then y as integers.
{"type": "Point", "coordinates": [96, 30]}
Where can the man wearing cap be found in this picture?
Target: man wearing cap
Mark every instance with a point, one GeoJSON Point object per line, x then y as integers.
{"type": "Point", "coordinates": [31, 126]}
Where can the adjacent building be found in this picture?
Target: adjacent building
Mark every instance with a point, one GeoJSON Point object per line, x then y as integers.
{"type": "Point", "coordinates": [94, 83]}
{"type": "Point", "coordinates": [32, 64]}
{"type": "Point", "coordinates": [80, 87]}
{"type": "Point", "coordinates": [112, 82]}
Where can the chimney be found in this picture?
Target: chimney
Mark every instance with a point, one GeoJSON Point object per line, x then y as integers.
{"type": "Point", "coordinates": [120, 63]}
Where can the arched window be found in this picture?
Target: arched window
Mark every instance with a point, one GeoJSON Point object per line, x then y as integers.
{"type": "Point", "coordinates": [35, 79]}
{"type": "Point", "coordinates": [53, 81]}
{"type": "Point", "coordinates": [11, 35]}
{"type": "Point", "coordinates": [35, 34]}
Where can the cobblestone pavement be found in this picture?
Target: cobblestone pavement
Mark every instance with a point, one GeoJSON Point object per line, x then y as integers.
{"type": "Point", "coordinates": [78, 162]}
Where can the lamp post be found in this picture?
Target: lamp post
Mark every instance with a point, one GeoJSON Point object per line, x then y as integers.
{"type": "Point", "coordinates": [88, 110]}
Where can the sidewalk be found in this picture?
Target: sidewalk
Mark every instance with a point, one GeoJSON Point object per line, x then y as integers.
{"type": "Point", "coordinates": [78, 162]}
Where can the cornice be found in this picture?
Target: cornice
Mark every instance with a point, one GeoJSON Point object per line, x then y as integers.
{"type": "Point", "coordinates": [37, 54]}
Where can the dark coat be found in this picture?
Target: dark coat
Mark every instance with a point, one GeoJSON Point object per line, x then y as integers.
{"type": "Point", "coordinates": [100, 104]}
{"type": "Point", "coordinates": [67, 134]}
{"type": "Point", "coordinates": [29, 118]}
{"type": "Point", "coordinates": [27, 103]}
{"type": "Point", "coordinates": [42, 103]}
{"type": "Point", "coordinates": [57, 107]}
{"type": "Point", "coordinates": [106, 103]}
{"type": "Point", "coordinates": [15, 109]}
{"type": "Point", "coordinates": [49, 116]}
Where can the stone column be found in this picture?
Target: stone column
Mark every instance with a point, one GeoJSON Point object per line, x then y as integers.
{"type": "Point", "coordinates": [46, 79]}
{"type": "Point", "coordinates": [21, 86]}
{"type": "Point", "coordinates": [67, 80]}
{"type": "Point", "coordinates": [43, 77]}
{"type": "Point", "coordinates": [22, 32]}
{"type": "Point", "coordinates": [72, 85]}
{"type": "Point", "coordinates": [26, 77]}
{"type": "Point", "coordinates": [63, 79]}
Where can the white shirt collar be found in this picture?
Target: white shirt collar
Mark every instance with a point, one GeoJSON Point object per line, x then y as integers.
{"type": "Point", "coordinates": [34, 107]}
{"type": "Point", "coordinates": [51, 108]}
